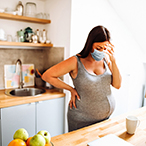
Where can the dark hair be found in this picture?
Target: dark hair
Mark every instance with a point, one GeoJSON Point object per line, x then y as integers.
{"type": "Point", "coordinates": [97, 34]}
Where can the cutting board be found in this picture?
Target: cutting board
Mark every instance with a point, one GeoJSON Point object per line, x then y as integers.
{"type": "Point", "coordinates": [109, 140]}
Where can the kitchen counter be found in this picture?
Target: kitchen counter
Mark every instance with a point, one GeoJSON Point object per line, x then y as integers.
{"type": "Point", "coordinates": [7, 101]}
{"type": "Point", "coordinates": [116, 125]}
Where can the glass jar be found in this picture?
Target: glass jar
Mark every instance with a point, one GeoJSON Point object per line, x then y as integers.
{"type": "Point", "coordinates": [30, 9]}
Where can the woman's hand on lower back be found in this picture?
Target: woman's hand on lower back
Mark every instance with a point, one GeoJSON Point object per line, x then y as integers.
{"type": "Point", "coordinates": [74, 95]}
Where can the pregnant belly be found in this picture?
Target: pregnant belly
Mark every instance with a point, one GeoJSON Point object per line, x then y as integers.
{"type": "Point", "coordinates": [98, 110]}
{"type": "Point", "coordinates": [93, 110]}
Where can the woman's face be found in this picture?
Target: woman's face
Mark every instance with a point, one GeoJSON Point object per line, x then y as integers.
{"type": "Point", "coordinates": [100, 46]}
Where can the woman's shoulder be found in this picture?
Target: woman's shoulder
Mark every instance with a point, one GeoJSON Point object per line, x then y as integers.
{"type": "Point", "coordinates": [74, 58]}
{"type": "Point", "coordinates": [71, 61]}
{"type": "Point", "coordinates": [71, 65]}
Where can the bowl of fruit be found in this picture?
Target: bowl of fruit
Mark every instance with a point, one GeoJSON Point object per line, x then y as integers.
{"type": "Point", "coordinates": [21, 138]}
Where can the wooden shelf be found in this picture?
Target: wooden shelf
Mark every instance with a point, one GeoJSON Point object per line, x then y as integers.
{"type": "Point", "coordinates": [24, 18]}
{"type": "Point", "coordinates": [25, 44]}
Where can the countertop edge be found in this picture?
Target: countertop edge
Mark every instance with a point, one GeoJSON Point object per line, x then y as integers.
{"type": "Point", "coordinates": [8, 101]}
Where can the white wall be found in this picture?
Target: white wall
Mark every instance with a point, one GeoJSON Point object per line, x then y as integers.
{"type": "Point", "coordinates": [11, 27]}
{"type": "Point", "coordinates": [86, 15]}
{"type": "Point", "coordinates": [59, 29]}
{"type": "Point", "coordinates": [133, 14]}
{"type": "Point", "coordinates": [59, 33]}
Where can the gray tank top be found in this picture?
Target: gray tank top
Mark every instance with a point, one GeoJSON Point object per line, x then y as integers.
{"type": "Point", "coordinates": [97, 102]}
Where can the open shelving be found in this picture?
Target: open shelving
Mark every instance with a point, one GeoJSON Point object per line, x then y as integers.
{"type": "Point", "coordinates": [24, 19]}
{"type": "Point", "coordinates": [25, 44]}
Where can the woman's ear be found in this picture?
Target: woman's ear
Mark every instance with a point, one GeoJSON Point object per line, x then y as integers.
{"type": "Point", "coordinates": [92, 50]}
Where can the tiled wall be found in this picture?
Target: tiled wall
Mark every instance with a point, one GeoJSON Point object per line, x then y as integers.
{"type": "Point", "coordinates": [41, 58]}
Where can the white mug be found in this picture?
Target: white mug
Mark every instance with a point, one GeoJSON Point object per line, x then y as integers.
{"type": "Point", "coordinates": [132, 123]}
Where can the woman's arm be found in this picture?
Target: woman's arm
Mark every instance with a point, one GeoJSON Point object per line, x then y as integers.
{"type": "Point", "coordinates": [52, 76]}
{"type": "Point", "coordinates": [117, 79]}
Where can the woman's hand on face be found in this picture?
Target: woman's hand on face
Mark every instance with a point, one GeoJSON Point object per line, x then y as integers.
{"type": "Point", "coordinates": [74, 95]}
{"type": "Point", "coordinates": [109, 50]}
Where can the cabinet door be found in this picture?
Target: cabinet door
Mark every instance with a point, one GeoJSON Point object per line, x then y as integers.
{"type": "Point", "coordinates": [50, 116]}
{"type": "Point", "coordinates": [13, 118]}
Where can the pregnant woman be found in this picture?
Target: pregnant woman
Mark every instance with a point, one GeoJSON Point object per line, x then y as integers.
{"type": "Point", "coordinates": [93, 71]}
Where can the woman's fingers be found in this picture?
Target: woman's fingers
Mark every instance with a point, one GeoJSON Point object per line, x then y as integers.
{"type": "Point", "coordinates": [109, 54]}
{"type": "Point", "coordinates": [70, 105]}
{"type": "Point", "coordinates": [110, 51]}
{"type": "Point", "coordinates": [78, 97]}
{"type": "Point", "coordinates": [73, 102]}
{"type": "Point", "coordinates": [109, 47]}
{"type": "Point", "coordinates": [74, 97]}
{"type": "Point", "coordinates": [111, 44]}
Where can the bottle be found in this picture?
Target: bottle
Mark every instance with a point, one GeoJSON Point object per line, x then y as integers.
{"type": "Point", "coordinates": [19, 8]}
{"type": "Point", "coordinates": [44, 35]}
{"type": "Point", "coordinates": [38, 32]}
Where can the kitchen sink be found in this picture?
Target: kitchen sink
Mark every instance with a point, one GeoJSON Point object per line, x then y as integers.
{"type": "Point", "coordinates": [25, 92]}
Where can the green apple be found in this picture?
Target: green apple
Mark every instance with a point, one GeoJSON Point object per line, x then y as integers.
{"type": "Point", "coordinates": [21, 134]}
{"type": "Point", "coordinates": [37, 140]}
{"type": "Point", "coordinates": [46, 135]}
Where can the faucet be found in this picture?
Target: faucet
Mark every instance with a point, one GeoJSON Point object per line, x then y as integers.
{"type": "Point", "coordinates": [18, 62]}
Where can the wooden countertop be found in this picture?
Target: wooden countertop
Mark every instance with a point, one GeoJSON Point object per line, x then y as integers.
{"type": "Point", "coordinates": [116, 125]}
{"type": "Point", "coordinates": [7, 101]}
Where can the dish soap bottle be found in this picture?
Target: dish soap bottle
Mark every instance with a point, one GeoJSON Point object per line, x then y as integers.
{"type": "Point", "coordinates": [19, 8]}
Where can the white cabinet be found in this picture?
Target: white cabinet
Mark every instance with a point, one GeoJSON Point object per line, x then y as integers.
{"type": "Point", "coordinates": [50, 116]}
{"type": "Point", "coordinates": [13, 118]}
{"type": "Point", "coordinates": [44, 115]}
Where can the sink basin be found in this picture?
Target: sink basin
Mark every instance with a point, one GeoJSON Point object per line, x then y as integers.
{"type": "Point", "coordinates": [25, 92]}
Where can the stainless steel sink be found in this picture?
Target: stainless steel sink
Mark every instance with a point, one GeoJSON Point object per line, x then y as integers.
{"type": "Point", "coordinates": [25, 92]}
